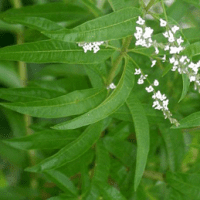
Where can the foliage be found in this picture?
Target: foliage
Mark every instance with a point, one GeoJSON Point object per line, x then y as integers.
{"type": "Point", "coordinates": [100, 100]}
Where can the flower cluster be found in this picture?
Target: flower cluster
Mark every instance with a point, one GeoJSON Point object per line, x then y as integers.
{"type": "Point", "coordinates": [181, 63]}
{"type": "Point", "coordinates": [160, 100]}
{"type": "Point", "coordinates": [143, 34]}
{"type": "Point", "coordinates": [143, 37]}
{"type": "Point", "coordinates": [91, 46]}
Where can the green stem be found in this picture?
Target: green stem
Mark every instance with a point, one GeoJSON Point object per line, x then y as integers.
{"type": "Point", "coordinates": [118, 60]}
{"type": "Point", "coordinates": [23, 78]}
{"type": "Point", "coordinates": [164, 11]}
{"type": "Point", "coordinates": [149, 5]}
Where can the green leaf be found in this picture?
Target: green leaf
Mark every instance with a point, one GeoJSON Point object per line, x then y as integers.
{"type": "Point", "coordinates": [60, 70]}
{"type": "Point", "coordinates": [62, 181]}
{"type": "Point", "coordinates": [8, 75]}
{"type": "Point", "coordinates": [172, 194]}
{"type": "Point", "coordinates": [115, 146]}
{"type": "Point", "coordinates": [190, 121]}
{"type": "Point", "coordinates": [53, 11]}
{"type": "Point", "coordinates": [186, 84]}
{"type": "Point", "coordinates": [109, 27]}
{"type": "Point", "coordinates": [51, 51]}
{"type": "Point", "coordinates": [63, 85]}
{"type": "Point", "coordinates": [101, 171]}
{"type": "Point", "coordinates": [47, 139]}
{"type": "Point", "coordinates": [95, 79]}
{"type": "Point", "coordinates": [192, 50]}
{"type": "Point", "coordinates": [177, 5]}
{"type": "Point", "coordinates": [123, 113]}
{"type": "Point", "coordinates": [75, 167]}
{"type": "Point", "coordinates": [191, 34]}
{"type": "Point", "coordinates": [121, 131]}
{"type": "Point", "coordinates": [38, 23]}
{"type": "Point", "coordinates": [96, 11]}
{"type": "Point", "coordinates": [102, 163]}
{"type": "Point", "coordinates": [74, 103]}
{"type": "Point", "coordinates": [11, 155]}
{"type": "Point", "coordinates": [174, 145]}
{"type": "Point", "coordinates": [107, 107]}
{"type": "Point", "coordinates": [110, 193]}
{"type": "Point", "coordinates": [27, 94]}
{"type": "Point", "coordinates": [72, 151]}
{"type": "Point", "coordinates": [142, 135]}
{"type": "Point", "coordinates": [187, 184]}
{"type": "Point", "coordinates": [16, 122]}
{"type": "Point", "coordinates": [194, 2]}
{"type": "Point", "coordinates": [116, 4]}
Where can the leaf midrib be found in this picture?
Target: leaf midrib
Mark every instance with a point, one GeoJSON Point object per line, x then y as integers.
{"type": "Point", "coordinates": [46, 51]}
{"type": "Point", "coordinates": [73, 102]}
{"type": "Point", "coordinates": [104, 27]}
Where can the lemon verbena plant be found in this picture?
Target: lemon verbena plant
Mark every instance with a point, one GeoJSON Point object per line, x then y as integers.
{"type": "Point", "coordinates": [96, 101]}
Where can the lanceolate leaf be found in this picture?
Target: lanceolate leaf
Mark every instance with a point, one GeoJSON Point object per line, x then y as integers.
{"type": "Point", "coordinates": [71, 151]}
{"type": "Point", "coordinates": [190, 121]}
{"type": "Point", "coordinates": [51, 51]}
{"type": "Point", "coordinates": [109, 27]}
{"type": "Point", "coordinates": [27, 94]}
{"type": "Point", "coordinates": [186, 84]}
{"type": "Point", "coordinates": [8, 75]}
{"type": "Point", "coordinates": [102, 163]}
{"type": "Point", "coordinates": [142, 136]}
{"type": "Point", "coordinates": [107, 107]}
{"type": "Point", "coordinates": [53, 11]}
{"type": "Point", "coordinates": [74, 103]}
{"type": "Point", "coordinates": [47, 139]}
{"type": "Point", "coordinates": [62, 181]}
{"type": "Point", "coordinates": [37, 23]}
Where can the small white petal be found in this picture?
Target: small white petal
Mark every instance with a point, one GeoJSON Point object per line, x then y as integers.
{"type": "Point", "coordinates": [156, 50]}
{"type": "Point", "coordinates": [163, 23]}
{"type": "Point", "coordinates": [140, 21]}
{"type": "Point", "coordinates": [153, 63]}
{"type": "Point", "coordinates": [156, 83]}
{"type": "Point", "coordinates": [137, 71]}
{"type": "Point", "coordinates": [149, 89]}
{"type": "Point", "coordinates": [175, 28]}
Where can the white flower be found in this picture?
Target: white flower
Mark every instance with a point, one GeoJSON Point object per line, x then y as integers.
{"type": "Point", "coordinates": [137, 71]}
{"type": "Point", "coordinates": [140, 21]}
{"type": "Point", "coordinates": [91, 46]}
{"type": "Point", "coordinates": [165, 104]}
{"type": "Point", "coordinates": [155, 83]}
{"type": "Point", "coordinates": [96, 49]}
{"type": "Point", "coordinates": [149, 89]}
{"type": "Point", "coordinates": [180, 40]}
{"type": "Point", "coordinates": [163, 23]}
{"type": "Point", "coordinates": [166, 34]}
{"type": "Point", "coordinates": [139, 30]}
{"type": "Point", "coordinates": [141, 79]}
{"type": "Point", "coordinates": [153, 63]}
{"type": "Point", "coordinates": [148, 32]}
{"type": "Point", "coordinates": [192, 78]}
{"type": "Point", "coordinates": [175, 28]}
{"type": "Point", "coordinates": [166, 48]}
{"type": "Point", "coordinates": [156, 50]}
{"type": "Point", "coordinates": [111, 86]}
